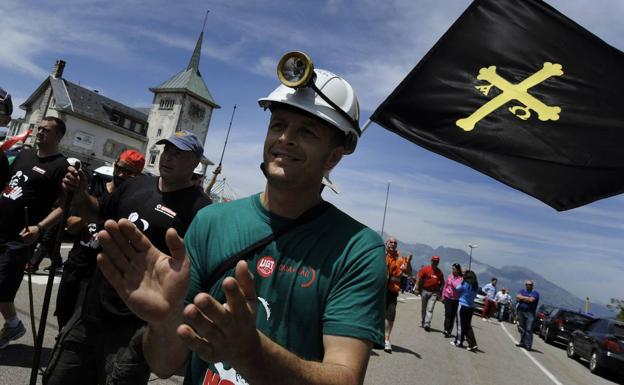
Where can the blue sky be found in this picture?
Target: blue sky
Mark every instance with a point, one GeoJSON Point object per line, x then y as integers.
{"type": "Point", "coordinates": [123, 47]}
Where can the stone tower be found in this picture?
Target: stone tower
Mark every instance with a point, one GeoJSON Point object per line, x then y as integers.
{"type": "Point", "coordinates": [183, 102]}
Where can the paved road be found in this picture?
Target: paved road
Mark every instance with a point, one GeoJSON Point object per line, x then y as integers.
{"type": "Point", "coordinates": [419, 357]}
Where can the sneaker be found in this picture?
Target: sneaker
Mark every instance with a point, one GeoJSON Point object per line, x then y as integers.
{"type": "Point", "coordinates": [388, 346]}
{"type": "Point", "coordinates": [427, 328]}
{"type": "Point", "coordinates": [484, 319]}
{"type": "Point", "coordinates": [453, 343]}
{"type": "Point", "coordinates": [446, 334]}
{"type": "Point", "coordinates": [472, 348]}
{"type": "Point", "coordinates": [8, 334]}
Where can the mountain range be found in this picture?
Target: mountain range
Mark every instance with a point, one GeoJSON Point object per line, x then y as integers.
{"type": "Point", "coordinates": [510, 277]}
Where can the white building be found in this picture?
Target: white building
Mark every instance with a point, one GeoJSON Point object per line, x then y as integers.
{"type": "Point", "coordinates": [100, 128]}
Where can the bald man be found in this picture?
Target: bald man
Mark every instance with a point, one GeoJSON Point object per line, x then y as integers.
{"type": "Point", "coordinates": [396, 266]}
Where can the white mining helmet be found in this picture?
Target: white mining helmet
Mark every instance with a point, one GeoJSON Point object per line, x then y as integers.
{"type": "Point", "coordinates": [318, 92]}
{"type": "Point", "coordinates": [200, 169]}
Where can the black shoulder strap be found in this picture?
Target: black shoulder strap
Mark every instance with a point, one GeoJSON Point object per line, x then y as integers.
{"type": "Point", "coordinates": [246, 253]}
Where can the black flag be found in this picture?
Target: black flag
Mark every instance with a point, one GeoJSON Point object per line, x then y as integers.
{"type": "Point", "coordinates": [518, 91]}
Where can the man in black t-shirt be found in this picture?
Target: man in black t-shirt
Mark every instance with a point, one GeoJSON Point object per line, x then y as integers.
{"type": "Point", "coordinates": [35, 183]}
{"type": "Point", "coordinates": [4, 170]}
{"type": "Point", "coordinates": [80, 262]}
{"type": "Point", "coordinates": [101, 343]}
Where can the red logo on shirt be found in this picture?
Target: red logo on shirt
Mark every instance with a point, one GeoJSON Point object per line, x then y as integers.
{"type": "Point", "coordinates": [265, 266]}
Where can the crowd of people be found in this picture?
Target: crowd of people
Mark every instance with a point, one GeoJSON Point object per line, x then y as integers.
{"type": "Point", "coordinates": [457, 292]}
{"type": "Point", "coordinates": [159, 278]}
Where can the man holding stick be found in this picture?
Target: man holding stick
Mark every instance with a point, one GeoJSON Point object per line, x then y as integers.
{"type": "Point", "coordinates": [34, 187]}
{"type": "Point", "coordinates": [101, 342]}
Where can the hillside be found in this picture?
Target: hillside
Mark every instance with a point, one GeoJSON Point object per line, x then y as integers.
{"type": "Point", "coordinates": [511, 277]}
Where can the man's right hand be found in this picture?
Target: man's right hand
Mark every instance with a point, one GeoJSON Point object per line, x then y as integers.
{"type": "Point", "coordinates": [74, 180]}
{"type": "Point", "coordinates": [152, 284]}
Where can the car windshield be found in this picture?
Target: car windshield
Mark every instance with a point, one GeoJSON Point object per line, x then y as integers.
{"type": "Point", "coordinates": [578, 318]}
{"type": "Point", "coordinates": [618, 331]}
{"type": "Point", "coordinates": [547, 309]}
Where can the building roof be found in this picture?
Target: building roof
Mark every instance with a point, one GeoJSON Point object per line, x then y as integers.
{"type": "Point", "coordinates": [189, 79]}
{"type": "Point", "coordinates": [74, 98]}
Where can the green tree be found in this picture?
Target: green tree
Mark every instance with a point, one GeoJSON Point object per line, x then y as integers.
{"type": "Point", "coordinates": [617, 305]}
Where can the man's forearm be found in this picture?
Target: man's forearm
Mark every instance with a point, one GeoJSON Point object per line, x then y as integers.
{"type": "Point", "coordinates": [163, 349]}
{"type": "Point", "coordinates": [87, 206]}
{"type": "Point", "coordinates": [277, 366]}
{"type": "Point", "coordinates": [51, 219]}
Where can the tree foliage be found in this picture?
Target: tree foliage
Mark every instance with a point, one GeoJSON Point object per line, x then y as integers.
{"type": "Point", "coordinates": [617, 305]}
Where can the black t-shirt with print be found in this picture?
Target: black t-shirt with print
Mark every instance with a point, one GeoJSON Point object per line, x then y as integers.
{"type": "Point", "coordinates": [86, 246]}
{"type": "Point", "coordinates": [4, 169]}
{"type": "Point", "coordinates": [153, 212]}
{"type": "Point", "coordinates": [34, 182]}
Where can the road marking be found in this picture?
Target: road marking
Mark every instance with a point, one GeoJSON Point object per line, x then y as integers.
{"type": "Point", "coordinates": [543, 369]}
{"type": "Point", "coordinates": [41, 279]}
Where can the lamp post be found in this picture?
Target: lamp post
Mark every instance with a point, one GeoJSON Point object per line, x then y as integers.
{"type": "Point", "coordinates": [383, 222]}
{"type": "Point", "coordinates": [472, 246]}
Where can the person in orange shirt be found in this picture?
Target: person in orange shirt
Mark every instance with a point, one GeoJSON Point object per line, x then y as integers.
{"type": "Point", "coordinates": [396, 266]}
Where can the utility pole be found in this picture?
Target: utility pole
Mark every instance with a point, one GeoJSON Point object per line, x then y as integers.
{"type": "Point", "coordinates": [383, 222]}
{"type": "Point", "coordinates": [472, 246]}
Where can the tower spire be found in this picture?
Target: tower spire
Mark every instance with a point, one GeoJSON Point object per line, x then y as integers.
{"type": "Point", "coordinates": [194, 62]}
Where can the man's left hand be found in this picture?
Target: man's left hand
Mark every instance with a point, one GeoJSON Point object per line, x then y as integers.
{"type": "Point", "coordinates": [30, 234]}
{"type": "Point", "coordinates": [224, 332]}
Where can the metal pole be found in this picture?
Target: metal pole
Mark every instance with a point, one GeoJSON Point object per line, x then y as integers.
{"type": "Point", "coordinates": [383, 222]}
{"type": "Point", "coordinates": [227, 135]}
{"type": "Point", "coordinates": [48, 290]}
{"type": "Point", "coordinates": [366, 124]}
{"type": "Point", "coordinates": [472, 246]}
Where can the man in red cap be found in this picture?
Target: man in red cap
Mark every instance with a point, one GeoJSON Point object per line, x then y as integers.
{"type": "Point", "coordinates": [429, 284]}
{"type": "Point", "coordinates": [80, 262]}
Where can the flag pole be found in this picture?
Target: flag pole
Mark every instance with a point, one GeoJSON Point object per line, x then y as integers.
{"type": "Point", "coordinates": [366, 124]}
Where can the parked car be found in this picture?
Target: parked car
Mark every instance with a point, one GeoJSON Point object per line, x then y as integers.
{"type": "Point", "coordinates": [601, 342]}
{"type": "Point", "coordinates": [478, 303]}
{"type": "Point", "coordinates": [543, 311]}
{"type": "Point", "coordinates": [561, 322]}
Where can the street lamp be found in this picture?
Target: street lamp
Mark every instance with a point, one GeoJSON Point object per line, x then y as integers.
{"type": "Point", "coordinates": [472, 246]}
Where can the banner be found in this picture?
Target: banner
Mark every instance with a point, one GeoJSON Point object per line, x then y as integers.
{"type": "Point", "coordinates": [517, 91]}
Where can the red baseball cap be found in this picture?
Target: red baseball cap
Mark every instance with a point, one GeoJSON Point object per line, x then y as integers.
{"type": "Point", "coordinates": [435, 258]}
{"type": "Point", "coordinates": [134, 159]}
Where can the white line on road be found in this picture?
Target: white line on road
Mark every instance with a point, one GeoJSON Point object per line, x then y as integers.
{"type": "Point", "coordinates": [41, 279]}
{"type": "Point", "coordinates": [542, 368]}
{"type": "Point", "coordinates": [403, 299]}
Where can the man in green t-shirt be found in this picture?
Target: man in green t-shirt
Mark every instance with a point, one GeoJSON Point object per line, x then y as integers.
{"type": "Point", "coordinates": [307, 307]}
